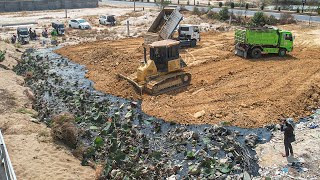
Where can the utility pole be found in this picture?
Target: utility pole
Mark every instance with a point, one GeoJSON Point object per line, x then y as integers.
{"type": "Point", "coordinates": [128, 30]}
{"type": "Point", "coordinates": [303, 2]}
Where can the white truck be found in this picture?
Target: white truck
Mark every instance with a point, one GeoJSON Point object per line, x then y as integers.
{"type": "Point", "coordinates": [189, 35]}
{"type": "Point", "coordinates": [107, 20]}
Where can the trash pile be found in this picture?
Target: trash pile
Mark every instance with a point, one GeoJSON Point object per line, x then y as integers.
{"type": "Point", "coordinates": [115, 133]}
{"type": "Point", "coordinates": [305, 162]}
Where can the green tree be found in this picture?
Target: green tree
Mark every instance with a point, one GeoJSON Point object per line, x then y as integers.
{"type": "Point", "coordinates": [162, 3]}
{"type": "Point", "coordinates": [258, 19]}
{"type": "Point", "coordinates": [247, 6]}
{"type": "Point", "coordinates": [262, 7]}
{"type": "Point", "coordinates": [224, 14]}
{"type": "Point", "coordinates": [298, 10]}
{"type": "Point", "coordinates": [232, 5]}
{"type": "Point", "coordinates": [220, 4]}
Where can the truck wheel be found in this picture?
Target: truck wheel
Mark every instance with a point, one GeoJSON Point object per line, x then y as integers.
{"type": "Point", "coordinates": [256, 53]}
{"type": "Point", "coordinates": [69, 25]}
{"type": "Point", "coordinates": [282, 52]}
{"type": "Point", "coordinates": [193, 43]}
{"type": "Point", "coordinates": [79, 27]}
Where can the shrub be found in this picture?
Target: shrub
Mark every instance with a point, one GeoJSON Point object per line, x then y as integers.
{"type": "Point", "coordinates": [224, 14]}
{"type": "Point", "coordinates": [271, 20]}
{"type": "Point", "coordinates": [298, 10]}
{"type": "Point", "coordinates": [196, 11]}
{"type": "Point", "coordinates": [213, 15]}
{"type": "Point", "coordinates": [258, 19]}
{"type": "Point", "coordinates": [247, 6]}
{"type": "Point", "coordinates": [220, 4]}
{"type": "Point", "coordinates": [64, 129]}
{"type": "Point", "coordinates": [262, 8]}
{"type": "Point", "coordinates": [232, 5]}
{"type": "Point", "coordinates": [286, 18]}
{"type": "Point", "coordinates": [2, 55]}
{"type": "Point", "coordinates": [279, 8]}
{"type": "Point", "coordinates": [318, 10]}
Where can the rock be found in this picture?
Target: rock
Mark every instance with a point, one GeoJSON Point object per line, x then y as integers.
{"type": "Point", "coordinates": [251, 140]}
{"type": "Point", "coordinates": [195, 135]}
{"type": "Point", "coordinates": [246, 176]}
{"type": "Point", "coordinates": [223, 161]}
{"type": "Point", "coordinates": [29, 94]}
{"type": "Point", "coordinates": [194, 170]}
{"type": "Point", "coordinates": [218, 115]}
{"type": "Point", "coordinates": [199, 114]}
{"type": "Point", "coordinates": [172, 177]}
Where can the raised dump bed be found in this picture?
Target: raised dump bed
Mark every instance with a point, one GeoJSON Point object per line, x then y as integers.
{"type": "Point", "coordinates": [164, 25]}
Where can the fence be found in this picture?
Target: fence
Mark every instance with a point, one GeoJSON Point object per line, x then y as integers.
{"type": "Point", "coordinates": [36, 5]}
{"type": "Point", "coordinates": [6, 169]}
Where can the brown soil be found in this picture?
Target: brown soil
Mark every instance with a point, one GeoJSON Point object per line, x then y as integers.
{"type": "Point", "coordinates": [241, 92]}
{"type": "Point", "coordinates": [33, 152]}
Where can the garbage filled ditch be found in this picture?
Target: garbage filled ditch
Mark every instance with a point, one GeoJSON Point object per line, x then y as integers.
{"type": "Point", "coordinates": [114, 132]}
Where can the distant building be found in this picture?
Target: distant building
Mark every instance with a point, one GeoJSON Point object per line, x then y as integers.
{"type": "Point", "coordinates": [35, 5]}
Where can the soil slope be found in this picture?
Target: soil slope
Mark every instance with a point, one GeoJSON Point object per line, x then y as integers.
{"type": "Point", "coordinates": [33, 153]}
{"type": "Point", "coordinates": [241, 92]}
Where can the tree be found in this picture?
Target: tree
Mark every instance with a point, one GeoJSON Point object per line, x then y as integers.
{"type": "Point", "coordinates": [224, 14]}
{"type": "Point", "coordinates": [279, 8]}
{"type": "Point", "coordinates": [232, 5]}
{"type": "Point", "coordinates": [262, 7]}
{"type": "Point", "coordinates": [247, 6]}
{"type": "Point", "coordinates": [298, 10]}
{"type": "Point", "coordinates": [258, 19]}
{"type": "Point", "coordinates": [220, 4]}
{"type": "Point", "coordinates": [162, 3]}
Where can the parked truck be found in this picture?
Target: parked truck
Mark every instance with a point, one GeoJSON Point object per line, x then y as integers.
{"type": "Point", "coordinates": [188, 35]}
{"type": "Point", "coordinates": [252, 42]}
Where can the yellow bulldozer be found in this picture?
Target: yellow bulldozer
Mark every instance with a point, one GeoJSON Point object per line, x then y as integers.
{"type": "Point", "coordinates": [162, 71]}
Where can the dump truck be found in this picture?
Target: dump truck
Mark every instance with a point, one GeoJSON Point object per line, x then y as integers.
{"type": "Point", "coordinates": [252, 42]}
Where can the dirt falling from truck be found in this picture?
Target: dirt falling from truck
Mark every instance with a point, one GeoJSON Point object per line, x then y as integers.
{"type": "Point", "coordinates": [227, 88]}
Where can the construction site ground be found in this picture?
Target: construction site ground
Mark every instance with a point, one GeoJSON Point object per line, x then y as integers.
{"type": "Point", "coordinates": [226, 88]}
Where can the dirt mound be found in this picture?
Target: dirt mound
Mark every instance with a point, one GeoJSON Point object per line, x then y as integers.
{"type": "Point", "coordinates": [224, 88]}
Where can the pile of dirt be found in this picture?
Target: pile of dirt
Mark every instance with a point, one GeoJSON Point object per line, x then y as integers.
{"type": "Point", "coordinates": [225, 88]}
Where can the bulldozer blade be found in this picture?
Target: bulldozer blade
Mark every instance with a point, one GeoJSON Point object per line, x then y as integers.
{"type": "Point", "coordinates": [138, 87]}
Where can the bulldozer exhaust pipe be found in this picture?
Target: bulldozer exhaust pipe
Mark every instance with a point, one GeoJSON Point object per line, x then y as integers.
{"type": "Point", "coordinates": [145, 55]}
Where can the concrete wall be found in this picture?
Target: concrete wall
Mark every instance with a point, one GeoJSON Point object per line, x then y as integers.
{"type": "Point", "coordinates": [35, 5]}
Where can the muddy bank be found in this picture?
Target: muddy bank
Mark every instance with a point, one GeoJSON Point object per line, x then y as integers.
{"type": "Point", "coordinates": [115, 133]}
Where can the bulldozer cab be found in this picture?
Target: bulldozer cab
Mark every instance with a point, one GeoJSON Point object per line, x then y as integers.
{"type": "Point", "coordinates": [161, 52]}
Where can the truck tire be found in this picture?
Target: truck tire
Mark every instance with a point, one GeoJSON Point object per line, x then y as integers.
{"type": "Point", "coordinates": [282, 52]}
{"type": "Point", "coordinates": [80, 27]}
{"type": "Point", "coordinates": [193, 43]}
{"type": "Point", "coordinates": [256, 53]}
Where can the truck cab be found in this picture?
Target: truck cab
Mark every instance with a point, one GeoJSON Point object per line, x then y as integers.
{"type": "Point", "coordinates": [286, 40]}
{"type": "Point", "coordinates": [189, 35]}
{"type": "Point", "coordinates": [58, 28]}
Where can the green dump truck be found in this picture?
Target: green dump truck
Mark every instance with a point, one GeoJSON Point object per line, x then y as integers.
{"type": "Point", "coordinates": [252, 42]}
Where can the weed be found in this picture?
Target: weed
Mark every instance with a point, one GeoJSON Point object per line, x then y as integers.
{"type": "Point", "coordinates": [64, 129]}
